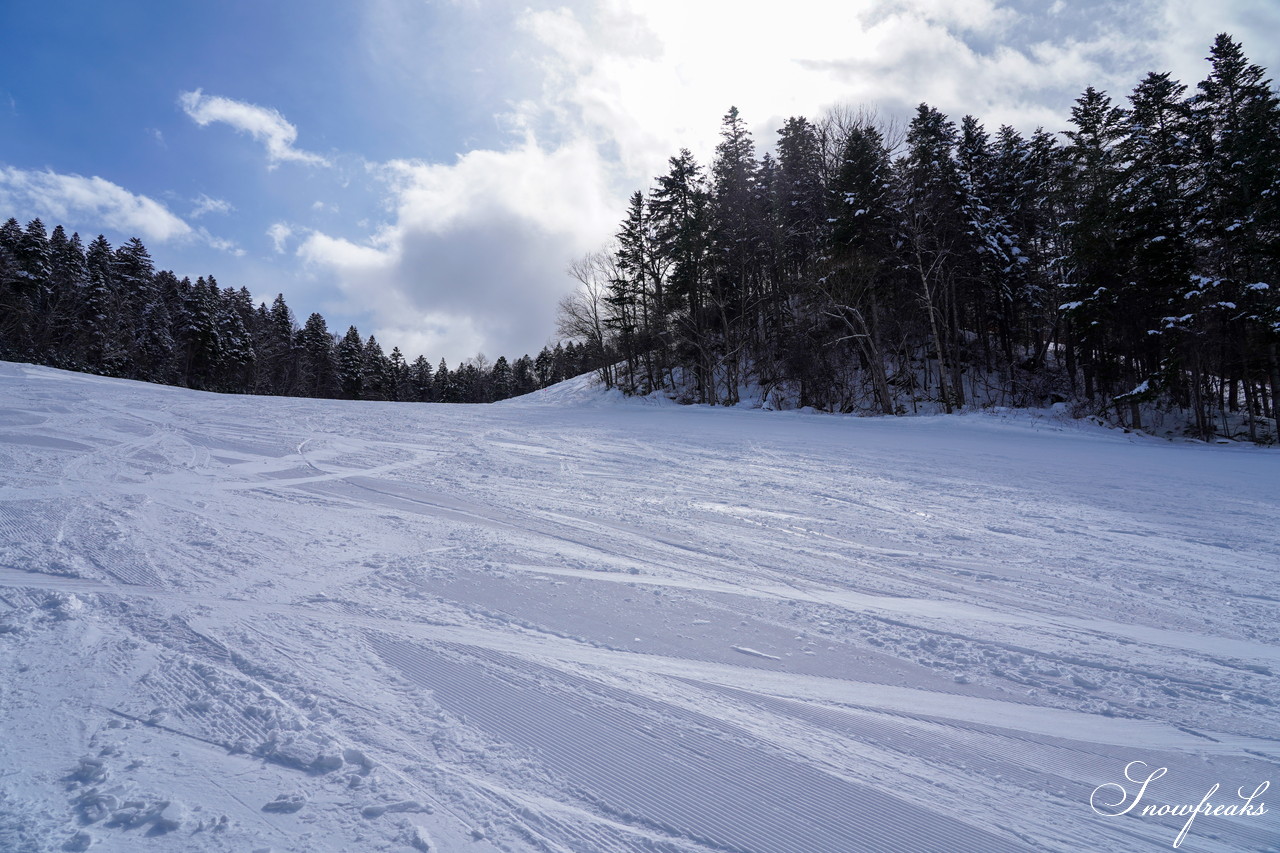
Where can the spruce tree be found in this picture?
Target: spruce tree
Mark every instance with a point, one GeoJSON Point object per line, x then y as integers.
{"type": "Point", "coordinates": [500, 379]}
{"type": "Point", "coordinates": [524, 376]}
{"type": "Point", "coordinates": [861, 251]}
{"type": "Point", "coordinates": [14, 304]}
{"type": "Point", "coordinates": [420, 377]}
{"type": "Point", "coordinates": [542, 367]}
{"type": "Point", "coordinates": [153, 344]}
{"type": "Point", "coordinates": [201, 360]}
{"type": "Point", "coordinates": [1092, 239]}
{"type": "Point", "coordinates": [238, 359]}
{"type": "Point", "coordinates": [682, 234]}
{"type": "Point", "coordinates": [934, 233]}
{"type": "Point", "coordinates": [317, 359]}
{"type": "Point", "coordinates": [443, 390]}
{"type": "Point", "coordinates": [68, 281]}
{"type": "Point", "coordinates": [399, 380]}
{"type": "Point", "coordinates": [275, 345]}
{"type": "Point", "coordinates": [1237, 127]}
{"type": "Point", "coordinates": [350, 353]}
{"type": "Point", "coordinates": [1156, 220]}
{"type": "Point", "coordinates": [375, 372]}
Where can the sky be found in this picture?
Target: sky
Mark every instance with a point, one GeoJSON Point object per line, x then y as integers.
{"type": "Point", "coordinates": [427, 169]}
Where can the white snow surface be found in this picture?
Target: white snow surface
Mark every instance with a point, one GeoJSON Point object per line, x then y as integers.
{"type": "Point", "coordinates": [574, 622]}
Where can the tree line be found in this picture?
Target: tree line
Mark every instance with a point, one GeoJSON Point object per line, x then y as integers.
{"type": "Point", "coordinates": [1128, 264]}
{"type": "Point", "coordinates": [108, 311]}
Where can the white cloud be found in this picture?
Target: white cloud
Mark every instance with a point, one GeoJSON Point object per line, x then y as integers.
{"type": "Point", "coordinates": [1186, 30]}
{"type": "Point", "coordinates": [475, 255]}
{"type": "Point", "coordinates": [262, 123]}
{"type": "Point", "coordinates": [220, 243]}
{"type": "Point", "coordinates": [280, 233]}
{"type": "Point", "coordinates": [75, 200]}
{"type": "Point", "coordinates": [651, 76]}
{"type": "Point", "coordinates": [204, 205]}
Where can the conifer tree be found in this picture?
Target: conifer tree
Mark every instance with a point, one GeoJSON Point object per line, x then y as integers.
{"type": "Point", "coordinates": [635, 297]}
{"type": "Point", "coordinates": [542, 367]}
{"type": "Point", "coordinates": [153, 344]}
{"type": "Point", "coordinates": [68, 282]}
{"type": "Point", "coordinates": [375, 372]}
{"type": "Point", "coordinates": [106, 313]}
{"type": "Point", "coordinates": [934, 233]}
{"type": "Point", "coordinates": [350, 353]}
{"type": "Point", "coordinates": [401, 387]}
{"type": "Point", "coordinates": [14, 304]}
{"type": "Point", "coordinates": [237, 357]}
{"type": "Point", "coordinates": [801, 195]}
{"type": "Point", "coordinates": [681, 222]}
{"type": "Point", "coordinates": [861, 252]}
{"type": "Point", "coordinates": [736, 242]}
{"type": "Point", "coordinates": [443, 390]}
{"type": "Point", "coordinates": [1092, 237]}
{"type": "Point", "coordinates": [524, 376]}
{"type": "Point", "coordinates": [1237, 127]}
{"type": "Point", "coordinates": [29, 288]}
{"type": "Point", "coordinates": [500, 379]}
{"type": "Point", "coordinates": [275, 343]}
{"type": "Point", "coordinates": [317, 359]}
{"type": "Point", "coordinates": [1156, 223]}
{"type": "Point", "coordinates": [201, 362]}
{"type": "Point", "coordinates": [420, 377]}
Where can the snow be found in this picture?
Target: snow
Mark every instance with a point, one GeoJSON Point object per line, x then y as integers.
{"type": "Point", "coordinates": [578, 622]}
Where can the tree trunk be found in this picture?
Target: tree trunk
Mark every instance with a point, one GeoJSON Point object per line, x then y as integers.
{"type": "Point", "coordinates": [1275, 383]}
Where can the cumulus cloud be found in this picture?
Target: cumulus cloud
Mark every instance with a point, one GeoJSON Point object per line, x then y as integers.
{"type": "Point", "coordinates": [646, 76]}
{"type": "Point", "coordinates": [262, 123]}
{"type": "Point", "coordinates": [1185, 30]}
{"type": "Point", "coordinates": [96, 202]}
{"type": "Point", "coordinates": [474, 256]}
{"type": "Point", "coordinates": [651, 76]}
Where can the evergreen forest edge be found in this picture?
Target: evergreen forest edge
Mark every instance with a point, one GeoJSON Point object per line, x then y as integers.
{"type": "Point", "coordinates": [1130, 269]}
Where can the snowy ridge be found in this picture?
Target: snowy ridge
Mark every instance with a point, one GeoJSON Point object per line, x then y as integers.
{"type": "Point", "coordinates": [583, 390]}
{"type": "Point", "coordinates": [587, 391]}
{"type": "Point", "coordinates": [573, 622]}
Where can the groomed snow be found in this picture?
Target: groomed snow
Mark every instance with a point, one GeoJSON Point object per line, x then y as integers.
{"type": "Point", "coordinates": [573, 622]}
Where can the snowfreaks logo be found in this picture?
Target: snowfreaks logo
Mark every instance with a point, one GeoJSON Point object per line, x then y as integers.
{"type": "Point", "coordinates": [1113, 800]}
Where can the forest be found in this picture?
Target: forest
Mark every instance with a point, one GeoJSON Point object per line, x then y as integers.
{"type": "Point", "coordinates": [108, 311]}
{"type": "Point", "coordinates": [1126, 266]}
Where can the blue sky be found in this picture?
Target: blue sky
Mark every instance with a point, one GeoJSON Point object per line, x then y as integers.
{"type": "Point", "coordinates": [427, 170]}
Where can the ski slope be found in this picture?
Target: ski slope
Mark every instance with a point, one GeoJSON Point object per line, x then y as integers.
{"type": "Point", "coordinates": [572, 622]}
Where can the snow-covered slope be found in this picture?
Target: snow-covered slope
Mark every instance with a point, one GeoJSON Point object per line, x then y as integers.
{"type": "Point", "coordinates": [573, 623]}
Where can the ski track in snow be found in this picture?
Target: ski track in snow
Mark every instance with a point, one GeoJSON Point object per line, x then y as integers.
{"type": "Point", "coordinates": [575, 623]}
